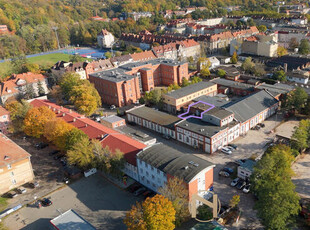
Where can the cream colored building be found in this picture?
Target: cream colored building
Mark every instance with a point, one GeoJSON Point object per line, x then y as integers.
{"type": "Point", "coordinates": [175, 100]}
{"type": "Point", "coordinates": [15, 165]}
{"type": "Point", "coordinates": [105, 39]}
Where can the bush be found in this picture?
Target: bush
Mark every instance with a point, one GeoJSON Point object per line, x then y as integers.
{"type": "Point", "coordinates": [204, 212]}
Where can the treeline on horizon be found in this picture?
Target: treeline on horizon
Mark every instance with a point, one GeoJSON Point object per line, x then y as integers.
{"type": "Point", "coordinates": [33, 22]}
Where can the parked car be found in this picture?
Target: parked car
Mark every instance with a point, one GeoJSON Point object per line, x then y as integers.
{"type": "Point", "coordinates": [46, 202]}
{"type": "Point", "coordinates": [261, 125]}
{"type": "Point", "coordinates": [246, 188]}
{"type": "Point", "coordinates": [257, 127]}
{"type": "Point", "coordinates": [41, 145]}
{"type": "Point", "coordinates": [240, 161]}
{"type": "Point", "coordinates": [139, 191]}
{"type": "Point", "coordinates": [147, 194]}
{"type": "Point", "coordinates": [230, 148]}
{"type": "Point", "coordinates": [34, 184]}
{"type": "Point", "coordinates": [112, 107]}
{"type": "Point", "coordinates": [132, 188]}
{"type": "Point", "coordinates": [224, 174]}
{"type": "Point", "coordinates": [233, 145]}
{"type": "Point", "coordinates": [166, 137]}
{"type": "Point", "coordinates": [226, 150]}
{"type": "Point", "coordinates": [241, 184]}
{"type": "Point", "coordinates": [54, 152]}
{"type": "Point", "coordinates": [66, 180]}
{"type": "Point", "coordinates": [228, 170]}
{"type": "Point", "coordinates": [235, 182]}
{"type": "Point", "coordinates": [21, 190]}
{"type": "Point", "coordinates": [12, 194]}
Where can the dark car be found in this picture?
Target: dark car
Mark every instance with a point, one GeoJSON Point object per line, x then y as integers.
{"type": "Point", "coordinates": [134, 187]}
{"type": "Point", "coordinates": [54, 152]}
{"type": "Point", "coordinates": [12, 194]}
{"type": "Point", "coordinates": [228, 170]}
{"type": "Point", "coordinates": [257, 127]}
{"type": "Point", "coordinates": [261, 125]}
{"type": "Point", "coordinates": [241, 184]}
{"type": "Point", "coordinates": [139, 191]}
{"type": "Point", "coordinates": [46, 202]}
{"type": "Point", "coordinates": [233, 145]}
{"type": "Point", "coordinates": [41, 145]}
{"type": "Point", "coordinates": [240, 161]}
{"type": "Point", "coordinates": [34, 184]}
{"type": "Point", "coordinates": [147, 194]}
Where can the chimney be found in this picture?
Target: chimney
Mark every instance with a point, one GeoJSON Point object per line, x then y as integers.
{"type": "Point", "coordinates": [285, 67]}
{"type": "Point", "coordinates": [58, 111]}
{"type": "Point", "coordinates": [70, 110]}
{"type": "Point", "coordinates": [74, 119]}
{"type": "Point", "coordinates": [85, 125]}
{"type": "Point", "coordinates": [63, 114]}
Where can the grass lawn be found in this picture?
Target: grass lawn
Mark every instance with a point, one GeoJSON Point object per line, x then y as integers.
{"type": "Point", "coordinates": [3, 203]}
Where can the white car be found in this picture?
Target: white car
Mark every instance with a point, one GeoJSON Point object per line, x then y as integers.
{"type": "Point", "coordinates": [246, 188]}
{"type": "Point", "coordinates": [21, 190]}
{"type": "Point", "coordinates": [226, 150]}
{"type": "Point", "coordinates": [230, 148]}
{"type": "Point", "coordinates": [235, 182]}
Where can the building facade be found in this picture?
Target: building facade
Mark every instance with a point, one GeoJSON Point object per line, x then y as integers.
{"type": "Point", "coordinates": [61, 67]}
{"type": "Point", "coordinates": [105, 39]}
{"type": "Point", "coordinates": [15, 165]}
{"type": "Point", "coordinates": [4, 120]}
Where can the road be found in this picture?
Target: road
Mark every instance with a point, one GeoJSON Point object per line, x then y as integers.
{"type": "Point", "coordinates": [95, 199]}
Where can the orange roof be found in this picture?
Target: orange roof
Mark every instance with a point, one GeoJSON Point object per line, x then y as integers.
{"type": "Point", "coordinates": [143, 56]}
{"type": "Point", "coordinates": [95, 130]}
{"type": "Point", "coordinates": [10, 152]}
{"type": "Point", "coordinates": [3, 111]}
{"type": "Point", "coordinates": [10, 86]}
{"type": "Point", "coordinates": [251, 39]}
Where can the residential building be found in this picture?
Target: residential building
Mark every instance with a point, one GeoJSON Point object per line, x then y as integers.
{"type": "Point", "coordinates": [105, 39]}
{"type": "Point", "coordinates": [143, 56]}
{"type": "Point", "coordinates": [260, 47]}
{"type": "Point", "coordinates": [293, 62]}
{"type": "Point", "coordinates": [245, 170]}
{"type": "Point", "coordinates": [155, 120]}
{"type": "Point", "coordinates": [94, 130]}
{"type": "Point", "coordinates": [15, 165]}
{"type": "Point", "coordinates": [175, 100]}
{"type": "Point", "coordinates": [286, 36]}
{"type": "Point", "coordinates": [71, 220]}
{"type": "Point", "coordinates": [4, 120]}
{"type": "Point", "coordinates": [158, 163]}
{"type": "Point", "coordinates": [96, 66]}
{"type": "Point", "coordinates": [112, 121]}
{"type": "Point", "coordinates": [301, 77]}
{"type": "Point", "coordinates": [253, 109]}
{"type": "Point", "coordinates": [18, 83]}
{"type": "Point", "coordinates": [62, 67]}
{"type": "Point", "coordinates": [233, 87]}
{"type": "Point", "coordinates": [123, 85]}
{"type": "Point", "coordinates": [137, 15]}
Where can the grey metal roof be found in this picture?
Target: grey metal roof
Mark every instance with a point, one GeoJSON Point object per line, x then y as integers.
{"type": "Point", "coordinates": [233, 84]}
{"type": "Point", "coordinates": [173, 162]}
{"type": "Point", "coordinates": [248, 164]}
{"type": "Point", "coordinates": [275, 89]}
{"type": "Point", "coordinates": [179, 93]}
{"type": "Point", "coordinates": [112, 118]}
{"type": "Point", "coordinates": [200, 127]}
{"type": "Point", "coordinates": [155, 116]}
{"type": "Point", "coordinates": [217, 112]}
{"type": "Point", "coordinates": [250, 106]}
{"type": "Point", "coordinates": [70, 220]}
{"type": "Point", "coordinates": [215, 100]}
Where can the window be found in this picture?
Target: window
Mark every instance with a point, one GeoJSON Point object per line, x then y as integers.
{"type": "Point", "coordinates": [141, 170]}
{"type": "Point", "coordinates": [13, 181]}
{"type": "Point", "coordinates": [9, 166]}
{"type": "Point", "coordinates": [153, 177]}
{"type": "Point", "coordinates": [147, 181]}
{"type": "Point", "coordinates": [147, 173]}
{"type": "Point", "coordinates": [12, 173]}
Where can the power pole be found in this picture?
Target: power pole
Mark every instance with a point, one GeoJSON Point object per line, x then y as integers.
{"type": "Point", "coordinates": [55, 28]}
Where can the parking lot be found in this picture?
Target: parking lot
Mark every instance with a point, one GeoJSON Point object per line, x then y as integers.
{"type": "Point", "coordinates": [95, 199]}
{"type": "Point", "coordinates": [48, 172]}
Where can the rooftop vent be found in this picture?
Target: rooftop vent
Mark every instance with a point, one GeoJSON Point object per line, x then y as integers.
{"type": "Point", "coordinates": [196, 165]}
{"type": "Point", "coordinates": [201, 130]}
{"type": "Point", "coordinates": [186, 124]}
{"type": "Point", "coordinates": [6, 157]}
{"type": "Point", "coordinates": [186, 167]}
{"type": "Point", "coordinates": [191, 162]}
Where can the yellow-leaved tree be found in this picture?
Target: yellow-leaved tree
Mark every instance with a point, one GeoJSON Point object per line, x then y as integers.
{"type": "Point", "coordinates": [55, 131]}
{"type": "Point", "coordinates": [155, 213]}
{"type": "Point", "coordinates": [35, 120]}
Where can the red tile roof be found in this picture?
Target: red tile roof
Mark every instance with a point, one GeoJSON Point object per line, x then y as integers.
{"type": "Point", "coordinates": [95, 130]}
{"type": "Point", "coordinates": [10, 152]}
{"type": "Point", "coordinates": [3, 111]}
{"type": "Point", "coordinates": [143, 56]}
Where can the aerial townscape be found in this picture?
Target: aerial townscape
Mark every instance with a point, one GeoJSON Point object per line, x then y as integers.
{"type": "Point", "coordinates": [154, 115]}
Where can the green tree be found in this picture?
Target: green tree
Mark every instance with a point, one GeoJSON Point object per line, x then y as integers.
{"type": "Point", "coordinates": [75, 58]}
{"type": "Point", "coordinates": [41, 90]}
{"type": "Point", "coordinates": [279, 76]}
{"type": "Point", "coordinates": [304, 47]}
{"type": "Point", "coordinates": [29, 92]}
{"type": "Point", "coordinates": [17, 64]}
{"type": "Point", "coordinates": [73, 137]}
{"type": "Point", "coordinates": [18, 111]}
{"type": "Point", "coordinates": [177, 192]}
{"type": "Point", "coordinates": [295, 100]}
{"type": "Point", "coordinates": [301, 136]}
{"type": "Point", "coordinates": [262, 28]}
{"type": "Point", "coordinates": [195, 80]}
{"type": "Point", "coordinates": [248, 65]}
{"type": "Point", "coordinates": [234, 201]}
{"type": "Point", "coordinates": [185, 82]}
{"type": "Point", "coordinates": [108, 54]}
{"type": "Point", "coordinates": [204, 212]}
{"type": "Point", "coordinates": [278, 203]}
{"type": "Point", "coordinates": [281, 51]}
{"type": "Point", "coordinates": [234, 58]}
{"type": "Point", "coordinates": [67, 82]}
{"type": "Point", "coordinates": [221, 73]}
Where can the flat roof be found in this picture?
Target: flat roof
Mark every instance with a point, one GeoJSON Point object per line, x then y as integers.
{"type": "Point", "coordinates": [155, 116]}
{"type": "Point", "coordinates": [233, 84]}
{"type": "Point", "coordinates": [275, 89]}
{"type": "Point", "coordinates": [179, 93]}
{"type": "Point", "coordinates": [70, 220]}
{"type": "Point", "coordinates": [216, 100]}
{"type": "Point", "coordinates": [217, 112]}
{"type": "Point", "coordinates": [173, 162]}
{"type": "Point", "coordinates": [248, 164]}
{"type": "Point", "coordinates": [112, 118]}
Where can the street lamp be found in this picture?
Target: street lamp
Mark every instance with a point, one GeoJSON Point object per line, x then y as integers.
{"type": "Point", "coordinates": [55, 28]}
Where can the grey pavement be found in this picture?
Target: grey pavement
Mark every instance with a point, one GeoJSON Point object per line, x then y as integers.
{"type": "Point", "coordinates": [302, 175]}
{"type": "Point", "coordinates": [94, 198]}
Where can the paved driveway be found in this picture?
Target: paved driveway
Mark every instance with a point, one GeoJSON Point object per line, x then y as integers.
{"type": "Point", "coordinates": [95, 199]}
{"type": "Point", "coordinates": [302, 178]}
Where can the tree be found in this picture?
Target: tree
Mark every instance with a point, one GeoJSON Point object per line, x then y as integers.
{"type": "Point", "coordinates": [279, 76]}
{"type": "Point", "coordinates": [185, 82]}
{"type": "Point", "coordinates": [29, 92]}
{"type": "Point", "coordinates": [195, 80]}
{"type": "Point", "coordinates": [35, 120]}
{"type": "Point", "coordinates": [278, 203]}
{"type": "Point", "coordinates": [177, 192]}
{"type": "Point", "coordinates": [18, 111]}
{"type": "Point", "coordinates": [296, 100]}
{"type": "Point", "coordinates": [234, 58]}
{"type": "Point", "coordinates": [56, 130]}
{"type": "Point", "coordinates": [108, 54]}
{"type": "Point", "coordinates": [221, 73]}
{"type": "Point", "coordinates": [75, 58]}
{"type": "Point", "coordinates": [248, 65]}
{"type": "Point", "coordinates": [204, 71]}
{"type": "Point", "coordinates": [293, 43]}
{"type": "Point", "coordinates": [301, 136]}
{"type": "Point", "coordinates": [74, 136]}
{"type": "Point", "coordinates": [155, 213]}
{"type": "Point", "coordinates": [304, 47]}
{"type": "Point", "coordinates": [81, 154]}
{"type": "Point", "coordinates": [281, 51]}
{"type": "Point", "coordinates": [262, 28]}
{"type": "Point", "coordinates": [204, 212]}
{"type": "Point", "coordinates": [67, 82]}
{"type": "Point", "coordinates": [30, 67]}
{"type": "Point", "coordinates": [41, 90]}
{"type": "Point", "coordinates": [234, 201]}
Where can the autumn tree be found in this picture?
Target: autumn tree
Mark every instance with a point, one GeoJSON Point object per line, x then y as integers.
{"type": "Point", "coordinates": [234, 201]}
{"type": "Point", "coordinates": [301, 137]}
{"type": "Point", "coordinates": [281, 51]}
{"type": "Point", "coordinates": [204, 65]}
{"type": "Point", "coordinates": [304, 47]}
{"type": "Point", "coordinates": [295, 100]}
{"type": "Point", "coordinates": [278, 203]}
{"type": "Point", "coordinates": [74, 136]}
{"type": "Point", "coordinates": [18, 111]}
{"type": "Point", "coordinates": [248, 65]}
{"type": "Point", "coordinates": [35, 120]}
{"type": "Point", "coordinates": [156, 213]}
{"type": "Point", "coordinates": [293, 43]}
{"type": "Point", "coordinates": [262, 28]}
{"type": "Point", "coordinates": [108, 54]}
{"type": "Point", "coordinates": [234, 58]}
{"type": "Point", "coordinates": [221, 73]}
{"type": "Point", "coordinates": [55, 131]}
{"type": "Point", "coordinates": [67, 82]}
{"type": "Point", "coordinates": [177, 192]}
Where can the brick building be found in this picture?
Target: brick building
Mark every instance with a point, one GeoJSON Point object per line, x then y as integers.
{"type": "Point", "coordinates": [15, 165]}
{"type": "Point", "coordinates": [123, 85]}
{"type": "Point", "coordinates": [4, 120]}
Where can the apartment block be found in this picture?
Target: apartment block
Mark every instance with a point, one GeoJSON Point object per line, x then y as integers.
{"type": "Point", "coordinates": [4, 120]}
{"type": "Point", "coordinates": [15, 165]}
